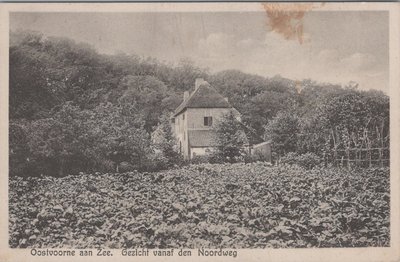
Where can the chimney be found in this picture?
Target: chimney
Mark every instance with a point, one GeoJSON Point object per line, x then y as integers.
{"type": "Point", "coordinates": [185, 95]}
{"type": "Point", "coordinates": [198, 82]}
{"type": "Point", "coordinates": [298, 87]}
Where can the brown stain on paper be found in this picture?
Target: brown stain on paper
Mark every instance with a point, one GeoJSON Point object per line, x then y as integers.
{"type": "Point", "coordinates": [287, 19]}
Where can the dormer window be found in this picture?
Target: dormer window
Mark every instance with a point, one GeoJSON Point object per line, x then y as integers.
{"type": "Point", "coordinates": [208, 121]}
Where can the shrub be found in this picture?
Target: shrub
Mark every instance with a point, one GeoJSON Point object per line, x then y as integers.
{"type": "Point", "coordinates": [307, 160]}
{"type": "Point", "coordinates": [255, 157]}
{"type": "Point", "coordinates": [200, 159]}
{"type": "Point", "coordinates": [230, 138]}
{"type": "Point", "coordinates": [125, 167]}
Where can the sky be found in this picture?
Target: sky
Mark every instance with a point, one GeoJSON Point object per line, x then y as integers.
{"type": "Point", "coordinates": [337, 46]}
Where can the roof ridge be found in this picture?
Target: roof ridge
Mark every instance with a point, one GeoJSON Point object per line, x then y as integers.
{"type": "Point", "coordinates": [196, 89]}
{"type": "Point", "coordinates": [184, 102]}
{"type": "Point", "coordinates": [202, 101]}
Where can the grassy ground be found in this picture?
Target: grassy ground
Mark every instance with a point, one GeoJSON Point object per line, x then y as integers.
{"type": "Point", "coordinates": [235, 206]}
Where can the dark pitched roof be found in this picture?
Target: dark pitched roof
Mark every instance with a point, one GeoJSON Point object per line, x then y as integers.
{"type": "Point", "coordinates": [205, 96]}
{"type": "Point", "coordinates": [202, 138]}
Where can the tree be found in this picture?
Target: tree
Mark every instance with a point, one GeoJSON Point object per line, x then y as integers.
{"type": "Point", "coordinates": [230, 139]}
{"type": "Point", "coordinates": [164, 142]}
{"type": "Point", "coordinates": [18, 147]}
{"type": "Point", "coordinates": [29, 93]}
{"type": "Point", "coordinates": [283, 131]}
{"type": "Point", "coordinates": [73, 109]}
{"type": "Point", "coordinates": [184, 75]}
{"type": "Point", "coordinates": [145, 95]}
{"type": "Point", "coordinates": [343, 118]}
{"type": "Point", "coordinates": [257, 98]}
{"type": "Point", "coordinates": [263, 107]}
{"type": "Point", "coordinates": [60, 143]}
{"type": "Point", "coordinates": [119, 137]}
{"type": "Point", "coordinates": [74, 140]}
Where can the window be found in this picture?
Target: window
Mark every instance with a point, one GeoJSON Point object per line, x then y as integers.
{"type": "Point", "coordinates": [208, 121]}
{"type": "Point", "coordinates": [183, 116]}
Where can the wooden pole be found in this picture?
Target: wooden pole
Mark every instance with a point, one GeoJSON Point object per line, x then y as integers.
{"type": "Point", "coordinates": [334, 148]}
{"type": "Point", "coordinates": [369, 152]}
{"type": "Point", "coordinates": [381, 152]}
{"type": "Point", "coordinates": [348, 149]}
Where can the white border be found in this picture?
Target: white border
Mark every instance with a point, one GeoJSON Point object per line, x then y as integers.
{"type": "Point", "coordinates": [332, 254]}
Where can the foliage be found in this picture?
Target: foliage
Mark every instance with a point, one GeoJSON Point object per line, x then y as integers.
{"type": "Point", "coordinates": [230, 139]}
{"type": "Point", "coordinates": [28, 80]}
{"type": "Point", "coordinates": [75, 140]}
{"type": "Point", "coordinates": [118, 100]}
{"type": "Point", "coordinates": [165, 144]}
{"type": "Point", "coordinates": [328, 118]}
{"type": "Point", "coordinates": [258, 99]}
{"type": "Point", "coordinates": [264, 107]}
{"type": "Point", "coordinates": [60, 142]}
{"type": "Point", "coordinates": [352, 114]}
{"type": "Point", "coordinates": [307, 160]}
{"type": "Point", "coordinates": [121, 135]}
{"type": "Point", "coordinates": [147, 97]}
{"type": "Point", "coordinates": [211, 206]}
{"type": "Point", "coordinates": [18, 148]}
{"type": "Point", "coordinates": [283, 131]}
{"type": "Point", "coordinates": [202, 159]}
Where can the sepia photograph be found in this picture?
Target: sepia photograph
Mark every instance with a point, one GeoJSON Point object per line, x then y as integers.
{"type": "Point", "coordinates": [199, 133]}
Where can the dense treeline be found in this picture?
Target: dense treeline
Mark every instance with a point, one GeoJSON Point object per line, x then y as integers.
{"type": "Point", "coordinates": [72, 109]}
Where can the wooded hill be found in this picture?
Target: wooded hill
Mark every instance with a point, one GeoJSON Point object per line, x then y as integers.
{"type": "Point", "coordinates": [73, 109]}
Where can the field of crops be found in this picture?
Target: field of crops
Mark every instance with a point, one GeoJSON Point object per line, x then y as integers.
{"type": "Point", "coordinates": [235, 206]}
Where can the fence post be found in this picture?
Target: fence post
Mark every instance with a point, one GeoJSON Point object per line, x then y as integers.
{"type": "Point", "coordinates": [348, 158]}
{"type": "Point", "coordinates": [370, 156]}
{"type": "Point", "coordinates": [334, 148]}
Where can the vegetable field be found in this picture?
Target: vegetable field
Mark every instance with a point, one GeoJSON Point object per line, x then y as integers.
{"type": "Point", "coordinates": [229, 206]}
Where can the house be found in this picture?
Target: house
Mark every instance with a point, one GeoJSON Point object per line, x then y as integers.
{"type": "Point", "coordinates": [194, 120]}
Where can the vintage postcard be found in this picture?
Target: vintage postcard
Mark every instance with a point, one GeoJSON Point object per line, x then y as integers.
{"type": "Point", "coordinates": [199, 131]}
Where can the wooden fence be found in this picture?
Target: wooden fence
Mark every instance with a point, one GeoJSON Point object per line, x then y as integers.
{"type": "Point", "coordinates": [361, 157]}
{"type": "Point", "coordinates": [358, 148]}
{"type": "Point", "coordinates": [363, 149]}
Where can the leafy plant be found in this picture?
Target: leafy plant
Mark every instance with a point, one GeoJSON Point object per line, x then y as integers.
{"type": "Point", "coordinates": [307, 160]}
{"type": "Point", "coordinates": [230, 139]}
{"type": "Point", "coordinates": [206, 205]}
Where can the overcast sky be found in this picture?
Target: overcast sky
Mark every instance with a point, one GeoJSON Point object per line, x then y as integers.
{"type": "Point", "coordinates": [338, 47]}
